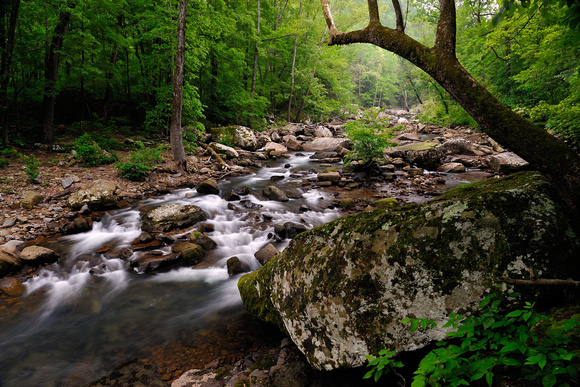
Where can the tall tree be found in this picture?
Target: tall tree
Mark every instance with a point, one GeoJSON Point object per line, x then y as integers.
{"type": "Point", "coordinates": [177, 104]}
{"type": "Point", "coordinates": [6, 48]}
{"type": "Point", "coordinates": [550, 156]}
{"type": "Point", "coordinates": [52, 61]}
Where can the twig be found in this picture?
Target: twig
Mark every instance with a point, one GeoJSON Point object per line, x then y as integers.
{"type": "Point", "coordinates": [216, 156]}
{"type": "Point", "coordinates": [541, 281]}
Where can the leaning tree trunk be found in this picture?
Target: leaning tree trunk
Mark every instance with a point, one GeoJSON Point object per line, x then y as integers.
{"type": "Point", "coordinates": [543, 151]}
{"type": "Point", "coordinates": [50, 76]}
{"type": "Point", "coordinates": [177, 107]}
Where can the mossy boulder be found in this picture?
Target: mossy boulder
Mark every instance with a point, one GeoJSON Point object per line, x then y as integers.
{"type": "Point", "coordinates": [341, 290]}
{"type": "Point", "coordinates": [171, 216]}
{"type": "Point", "coordinates": [236, 135]}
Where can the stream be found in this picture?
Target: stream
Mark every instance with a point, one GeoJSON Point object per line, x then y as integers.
{"type": "Point", "coordinates": [89, 312]}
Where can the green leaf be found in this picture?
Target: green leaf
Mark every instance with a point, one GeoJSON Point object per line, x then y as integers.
{"type": "Point", "coordinates": [511, 362]}
{"type": "Point", "coordinates": [414, 325]}
{"type": "Point", "coordinates": [369, 374]}
{"type": "Point", "coordinates": [509, 347]}
{"type": "Point", "coordinates": [515, 313]}
{"type": "Point", "coordinates": [489, 378]}
{"type": "Point", "coordinates": [549, 380]}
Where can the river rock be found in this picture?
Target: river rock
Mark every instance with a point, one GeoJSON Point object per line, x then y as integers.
{"type": "Point", "coordinates": [274, 147]}
{"type": "Point", "coordinates": [80, 224]}
{"type": "Point", "coordinates": [333, 177]}
{"type": "Point", "coordinates": [292, 143]}
{"type": "Point", "coordinates": [236, 135]}
{"type": "Point", "coordinates": [171, 216]}
{"type": "Point", "coordinates": [190, 252]}
{"type": "Point", "coordinates": [100, 195]}
{"type": "Point", "coordinates": [11, 286]}
{"type": "Point", "coordinates": [9, 262]}
{"type": "Point", "coordinates": [31, 199]}
{"type": "Point", "coordinates": [37, 255]}
{"type": "Point", "coordinates": [156, 260]}
{"type": "Point", "coordinates": [274, 193]}
{"type": "Point", "coordinates": [424, 154]}
{"type": "Point", "coordinates": [235, 266]}
{"type": "Point", "coordinates": [293, 229]}
{"type": "Point", "coordinates": [408, 137]}
{"type": "Point", "coordinates": [266, 253]}
{"type": "Point", "coordinates": [326, 144]}
{"type": "Point", "coordinates": [341, 290]}
{"type": "Point", "coordinates": [322, 131]}
{"type": "Point", "coordinates": [507, 162]}
{"type": "Point", "coordinates": [451, 168]}
{"type": "Point", "coordinates": [227, 151]}
{"type": "Point", "coordinates": [203, 240]}
{"type": "Point", "coordinates": [463, 146]}
{"type": "Point", "coordinates": [209, 187]}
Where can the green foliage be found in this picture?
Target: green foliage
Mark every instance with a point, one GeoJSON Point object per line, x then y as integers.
{"type": "Point", "coordinates": [563, 118]}
{"type": "Point", "coordinates": [382, 365]}
{"type": "Point", "coordinates": [191, 136]}
{"type": "Point", "coordinates": [90, 153]}
{"type": "Point", "coordinates": [434, 113]}
{"type": "Point", "coordinates": [3, 163]}
{"type": "Point", "coordinates": [496, 341]}
{"type": "Point", "coordinates": [370, 136]}
{"type": "Point", "coordinates": [140, 163]}
{"type": "Point", "coordinates": [31, 168]}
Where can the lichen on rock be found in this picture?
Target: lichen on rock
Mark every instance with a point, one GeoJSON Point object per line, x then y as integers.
{"type": "Point", "coordinates": [340, 290]}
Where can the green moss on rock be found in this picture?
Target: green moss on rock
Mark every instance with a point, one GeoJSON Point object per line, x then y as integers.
{"type": "Point", "coordinates": [341, 289]}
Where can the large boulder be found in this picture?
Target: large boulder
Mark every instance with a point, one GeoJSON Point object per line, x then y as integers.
{"type": "Point", "coordinates": [236, 135]}
{"type": "Point", "coordinates": [424, 154]}
{"type": "Point", "coordinates": [341, 290]}
{"type": "Point", "coordinates": [100, 195]}
{"type": "Point", "coordinates": [38, 255]}
{"type": "Point", "coordinates": [9, 262]}
{"type": "Point", "coordinates": [171, 216]}
{"type": "Point", "coordinates": [507, 162]}
{"type": "Point", "coordinates": [326, 144]}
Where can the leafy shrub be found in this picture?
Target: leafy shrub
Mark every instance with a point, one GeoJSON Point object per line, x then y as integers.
{"type": "Point", "coordinates": [31, 166]}
{"type": "Point", "coordinates": [435, 114]}
{"type": "Point", "coordinates": [90, 153]}
{"type": "Point", "coordinates": [493, 341]}
{"type": "Point", "coordinates": [370, 136]}
{"type": "Point", "coordinates": [3, 163]}
{"type": "Point", "coordinates": [563, 118]}
{"type": "Point", "coordinates": [140, 163]}
{"type": "Point", "coordinates": [191, 135]}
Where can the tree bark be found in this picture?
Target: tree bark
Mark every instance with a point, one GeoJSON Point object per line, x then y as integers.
{"type": "Point", "coordinates": [289, 114]}
{"type": "Point", "coordinates": [544, 152]}
{"type": "Point", "coordinates": [177, 106]}
{"type": "Point", "coordinates": [256, 52]}
{"type": "Point", "coordinates": [7, 48]}
{"type": "Point", "coordinates": [52, 61]}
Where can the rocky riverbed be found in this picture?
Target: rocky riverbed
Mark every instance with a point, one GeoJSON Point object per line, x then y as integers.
{"type": "Point", "coordinates": [428, 161]}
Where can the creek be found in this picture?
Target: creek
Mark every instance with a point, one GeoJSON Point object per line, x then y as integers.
{"type": "Point", "coordinates": [89, 312]}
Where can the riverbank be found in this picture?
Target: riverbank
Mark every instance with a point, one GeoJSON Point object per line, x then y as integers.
{"type": "Point", "coordinates": [352, 191]}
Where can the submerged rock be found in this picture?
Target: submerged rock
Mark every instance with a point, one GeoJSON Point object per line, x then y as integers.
{"type": "Point", "coordinates": [341, 290]}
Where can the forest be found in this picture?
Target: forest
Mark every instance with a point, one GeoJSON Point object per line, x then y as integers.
{"type": "Point", "coordinates": [109, 64]}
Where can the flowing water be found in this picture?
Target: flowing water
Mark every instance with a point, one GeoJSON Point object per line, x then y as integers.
{"type": "Point", "coordinates": [89, 311]}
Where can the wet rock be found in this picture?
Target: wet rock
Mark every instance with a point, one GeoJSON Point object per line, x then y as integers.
{"type": "Point", "coordinates": [326, 144]}
{"type": "Point", "coordinates": [451, 168]}
{"type": "Point", "coordinates": [153, 261]}
{"type": "Point", "coordinates": [266, 253]}
{"type": "Point", "coordinates": [507, 162]}
{"type": "Point", "coordinates": [190, 252]}
{"type": "Point", "coordinates": [132, 373]}
{"type": "Point", "coordinates": [204, 241]}
{"type": "Point", "coordinates": [242, 190]}
{"type": "Point", "coordinates": [280, 231]}
{"type": "Point", "coordinates": [208, 187]}
{"type": "Point", "coordinates": [197, 378]}
{"type": "Point", "coordinates": [231, 196]}
{"type": "Point", "coordinates": [235, 266]}
{"type": "Point", "coordinates": [171, 216]}
{"type": "Point", "coordinates": [333, 177]}
{"type": "Point", "coordinates": [293, 193]}
{"type": "Point", "coordinates": [227, 151]}
{"type": "Point", "coordinates": [293, 229]}
{"type": "Point", "coordinates": [100, 195]}
{"type": "Point", "coordinates": [165, 238]}
{"type": "Point", "coordinates": [9, 262]}
{"type": "Point", "coordinates": [37, 255]}
{"type": "Point", "coordinates": [415, 172]}
{"type": "Point", "coordinates": [340, 290]}
{"type": "Point", "coordinates": [274, 193]}
{"type": "Point", "coordinates": [274, 147]}
{"type": "Point", "coordinates": [31, 199]}
{"type": "Point", "coordinates": [11, 286]}
{"type": "Point", "coordinates": [424, 154]}
{"type": "Point", "coordinates": [409, 137]}
{"type": "Point", "coordinates": [347, 204]}
{"type": "Point", "coordinates": [462, 146]}
{"type": "Point", "coordinates": [125, 253]}
{"type": "Point", "coordinates": [78, 225]}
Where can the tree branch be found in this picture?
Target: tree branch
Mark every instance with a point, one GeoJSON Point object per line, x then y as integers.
{"type": "Point", "coordinates": [541, 281]}
{"type": "Point", "coordinates": [399, 16]}
{"type": "Point", "coordinates": [446, 27]}
{"type": "Point", "coordinates": [329, 19]}
{"type": "Point", "coordinates": [374, 17]}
